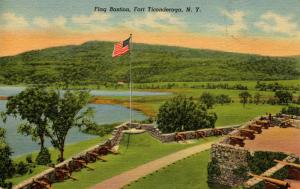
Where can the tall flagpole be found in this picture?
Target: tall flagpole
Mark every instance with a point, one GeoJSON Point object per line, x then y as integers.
{"type": "Point", "coordinates": [130, 84]}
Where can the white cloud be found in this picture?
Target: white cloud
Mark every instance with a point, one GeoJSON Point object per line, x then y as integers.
{"type": "Point", "coordinates": [41, 22]}
{"type": "Point", "coordinates": [156, 22]}
{"type": "Point", "coordinates": [94, 17]}
{"type": "Point", "coordinates": [14, 21]}
{"type": "Point", "coordinates": [60, 21]}
{"type": "Point", "coordinates": [275, 23]}
{"type": "Point", "coordinates": [238, 23]}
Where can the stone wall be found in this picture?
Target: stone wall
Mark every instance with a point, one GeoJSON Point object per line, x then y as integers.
{"type": "Point", "coordinates": [113, 141]}
{"type": "Point", "coordinates": [226, 162]}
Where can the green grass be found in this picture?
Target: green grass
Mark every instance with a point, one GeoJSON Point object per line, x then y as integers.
{"type": "Point", "coordinates": [141, 149]}
{"type": "Point", "coordinates": [235, 113]}
{"type": "Point", "coordinates": [71, 150]}
{"type": "Point", "coordinates": [190, 173]}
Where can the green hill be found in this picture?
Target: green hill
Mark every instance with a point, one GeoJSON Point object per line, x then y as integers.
{"type": "Point", "coordinates": [91, 62]}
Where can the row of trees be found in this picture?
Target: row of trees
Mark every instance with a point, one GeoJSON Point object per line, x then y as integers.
{"type": "Point", "coordinates": [209, 100]}
{"type": "Point", "coordinates": [280, 97]}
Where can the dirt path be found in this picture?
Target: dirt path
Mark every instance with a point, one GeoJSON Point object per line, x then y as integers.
{"type": "Point", "coordinates": [127, 177]}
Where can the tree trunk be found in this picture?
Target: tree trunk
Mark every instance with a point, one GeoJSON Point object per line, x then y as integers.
{"type": "Point", "coordinates": [61, 150]}
{"type": "Point", "coordinates": [42, 140]}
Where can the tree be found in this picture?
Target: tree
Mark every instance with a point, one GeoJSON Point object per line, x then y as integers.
{"type": "Point", "coordinates": [244, 96]}
{"type": "Point", "coordinates": [222, 99]}
{"type": "Point", "coordinates": [257, 98]}
{"type": "Point", "coordinates": [207, 99]}
{"type": "Point", "coordinates": [6, 164]}
{"type": "Point", "coordinates": [182, 114]}
{"type": "Point", "coordinates": [65, 113]}
{"type": "Point", "coordinates": [31, 105]}
{"type": "Point", "coordinates": [284, 97]}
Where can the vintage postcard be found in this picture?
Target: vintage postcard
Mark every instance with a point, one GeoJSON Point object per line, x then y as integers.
{"type": "Point", "coordinates": [139, 94]}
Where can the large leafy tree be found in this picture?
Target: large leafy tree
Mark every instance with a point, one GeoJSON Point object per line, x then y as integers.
{"type": "Point", "coordinates": [65, 113]}
{"type": "Point", "coordinates": [182, 114]}
{"type": "Point", "coordinates": [6, 164]}
{"type": "Point", "coordinates": [31, 105]}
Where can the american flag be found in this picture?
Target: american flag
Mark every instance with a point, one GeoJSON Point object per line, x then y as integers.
{"type": "Point", "coordinates": [121, 48]}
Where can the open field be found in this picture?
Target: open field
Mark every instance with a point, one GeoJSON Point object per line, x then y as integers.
{"type": "Point", "coordinates": [141, 149]}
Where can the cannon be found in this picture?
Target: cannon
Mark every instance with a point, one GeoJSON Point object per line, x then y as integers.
{"type": "Point", "coordinates": [217, 132]}
{"type": "Point", "coordinates": [199, 134]}
{"type": "Point", "coordinates": [272, 183]}
{"type": "Point", "coordinates": [80, 163]}
{"type": "Point", "coordinates": [237, 140]}
{"type": "Point", "coordinates": [256, 128]}
{"type": "Point", "coordinates": [247, 133]}
{"type": "Point", "coordinates": [41, 183]}
{"type": "Point", "coordinates": [94, 156]}
{"type": "Point", "coordinates": [286, 124]}
{"type": "Point", "coordinates": [293, 169]}
{"type": "Point", "coordinates": [264, 123]}
{"type": "Point", "coordinates": [180, 137]}
{"type": "Point", "coordinates": [62, 173]}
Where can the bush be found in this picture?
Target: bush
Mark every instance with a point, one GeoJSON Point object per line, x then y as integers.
{"type": "Point", "coordinates": [262, 161]}
{"type": "Point", "coordinates": [292, 110]}
{"type": "Point", "coordinates": [223, 99]}
{"type": "Point", "coordinates": [207, 99]}
{"type": "Point", "coordinates": [44, 157]}
{"type": "Point", "coordinates": [6, 165]}
{"type": "Point", "coordinates": [100, 130]}
{"type": "Point", "coordinates": [29, 158]}
{"type": "Point", "coordinates": [21, 168]}
{"type": "Point", "coordinates": [183, 114]}
{"type": "Point", "coordinates": [284, 97]}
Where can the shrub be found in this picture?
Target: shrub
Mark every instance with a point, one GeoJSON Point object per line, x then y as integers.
{"type": "Point", "coordinates": [21, 168]}
{"type": "Point", "coordinates": [293, 110]}
{"type": "Point", "coordinates": [44, 157]}
{"type": "Point", "coordinates": [29, 158]}
{"type": "Point", "coordinates": [262, 161]}
{"type": "Point", "coordinates": [207, 99]}
{"type": "Point", "coordinates": [223, 99]}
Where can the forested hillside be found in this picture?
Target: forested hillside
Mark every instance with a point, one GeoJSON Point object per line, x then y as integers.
{"type": "Point", "coordinates": [91, 62]}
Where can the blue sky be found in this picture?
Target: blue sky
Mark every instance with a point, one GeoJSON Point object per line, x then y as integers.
{"type": "Point", "coordinates": [259, 19]}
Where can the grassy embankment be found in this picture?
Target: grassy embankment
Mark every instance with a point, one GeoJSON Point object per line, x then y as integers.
{"type": "Point", "coordinates": [128, 158]}
{"type": "Point", "coordinates": [141, 149]}
{"type": "Point", "coordinates": [70, 150]}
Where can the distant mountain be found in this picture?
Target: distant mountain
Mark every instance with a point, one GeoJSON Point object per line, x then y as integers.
{"type": "Point", "coordinates": [91, 62]}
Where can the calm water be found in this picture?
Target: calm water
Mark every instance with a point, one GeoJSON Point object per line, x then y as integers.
{"type": "Point", "coordinates": [103, 114]}
{"type": "Point", "coordinates": [11, 91]}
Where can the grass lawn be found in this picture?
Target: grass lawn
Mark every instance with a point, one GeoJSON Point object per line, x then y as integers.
{"type": "Point", "coordinates": [189, 173]}
{"type": "Point", "coordinates": [235, 113]}
{"type": "Point", "coordinates": [71, 150]}
{"type": "Point", "coordinates": [142, 148]}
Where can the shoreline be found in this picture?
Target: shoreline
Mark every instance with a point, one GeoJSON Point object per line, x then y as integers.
{"type": "Point", "coordinates": [99, 100]}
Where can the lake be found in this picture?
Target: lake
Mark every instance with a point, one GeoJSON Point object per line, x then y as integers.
{"type": "Point", "coordinates": [104, 114]}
